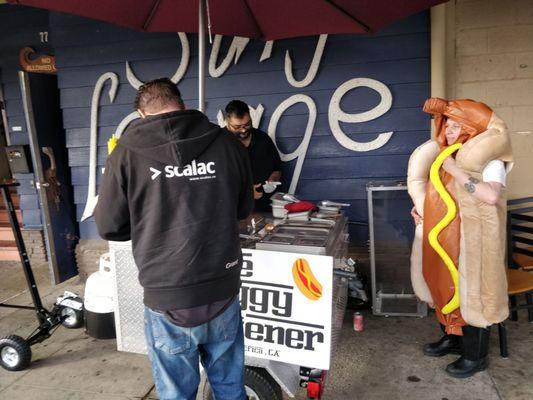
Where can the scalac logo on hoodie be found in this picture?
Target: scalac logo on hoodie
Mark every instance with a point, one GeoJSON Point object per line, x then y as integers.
{"type": "Point", "coordinates": [199, 170]}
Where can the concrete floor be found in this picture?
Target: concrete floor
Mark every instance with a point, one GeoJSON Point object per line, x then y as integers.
{"type": "Point", "coordinates": [383, 362]}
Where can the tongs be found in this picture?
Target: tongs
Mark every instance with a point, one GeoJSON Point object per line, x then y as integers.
{"type": "Point", "coordinates": [329, 203]}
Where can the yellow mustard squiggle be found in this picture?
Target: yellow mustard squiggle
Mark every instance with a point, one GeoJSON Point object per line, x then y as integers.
{"type": "Point", "coordinates": [434, 177]}
{"type": "Point", "coordinates": [111, 144]}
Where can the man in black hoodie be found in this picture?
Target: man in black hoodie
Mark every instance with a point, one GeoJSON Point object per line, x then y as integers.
{"type": "Point", "coordinates": [176, 185]}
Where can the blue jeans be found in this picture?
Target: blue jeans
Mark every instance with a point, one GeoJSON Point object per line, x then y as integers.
{"type": "Point", "coordinates": [175, 353]}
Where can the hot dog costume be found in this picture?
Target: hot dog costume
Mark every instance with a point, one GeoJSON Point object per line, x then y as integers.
{"type": "Point", "coordinates": [475, 239]}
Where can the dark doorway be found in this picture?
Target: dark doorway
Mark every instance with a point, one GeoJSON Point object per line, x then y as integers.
{"type": "Point", "coordinates": [44, 122]}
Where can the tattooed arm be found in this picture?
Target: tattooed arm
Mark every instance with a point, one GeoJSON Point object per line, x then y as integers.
{"type": "Point", "coordinates": [487, 192]}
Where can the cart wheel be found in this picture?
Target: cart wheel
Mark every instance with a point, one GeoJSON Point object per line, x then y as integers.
{"type": "Point", "coordinates": [15, 353]}
{"type": "Point", "coordinates": [258, 383]}
{"type": "Point", "coordinates": [71, 318]}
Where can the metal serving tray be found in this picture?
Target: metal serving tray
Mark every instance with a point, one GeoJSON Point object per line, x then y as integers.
{"type": "Point", "coordinates": [311, 237]}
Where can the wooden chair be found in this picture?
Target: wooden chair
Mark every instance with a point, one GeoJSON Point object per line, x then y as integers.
{"type": "Point", "coordinates": [520, 233]}
{"type": "Point", "coordinates": [520, 282]}
{"type": "Point", "coordinates": [520, 254]}
{"type": "Point", "coordinates": [519, 260]}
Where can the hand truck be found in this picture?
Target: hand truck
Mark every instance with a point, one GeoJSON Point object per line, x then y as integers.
{"type": "Point", "coordinates": [15, 351]}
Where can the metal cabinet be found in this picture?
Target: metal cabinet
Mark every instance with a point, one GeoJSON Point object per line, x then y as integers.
{"type": "Point", "coordinates": [391, 233]}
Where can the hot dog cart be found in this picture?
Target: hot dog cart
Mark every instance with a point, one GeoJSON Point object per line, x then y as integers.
{"type": "Point", "coordinates": [292, 302]}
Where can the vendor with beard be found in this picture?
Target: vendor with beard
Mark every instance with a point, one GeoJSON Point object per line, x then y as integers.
{"type": "Point", "coordinates": [264, 157]}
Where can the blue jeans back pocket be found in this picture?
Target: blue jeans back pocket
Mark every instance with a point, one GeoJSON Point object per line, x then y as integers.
{"type": "Point", "coordinates": [231, 320]}
{"type": "Point", "coordinates": [168, 337]}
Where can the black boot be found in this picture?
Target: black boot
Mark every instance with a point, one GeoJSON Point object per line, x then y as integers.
{"type": "Point", "coordinates": [475, 346]}
{"type": "Point", "coordinates": [448, 344]}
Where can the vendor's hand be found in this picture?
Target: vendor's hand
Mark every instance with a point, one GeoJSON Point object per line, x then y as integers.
{"type": "Point", "coordinates": [449, 165]}
{"type": "Point", "coordinates": [416, 216]}
{"type": "Point", "coordinates": [257, 194]}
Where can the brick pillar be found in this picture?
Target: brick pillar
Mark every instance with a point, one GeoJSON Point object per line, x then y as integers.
{"type": "Point", "coordinates": [88, 254]}
{"type": "Point", "coordinates": [35, 247]}
{"type": "Point", "coordinates": [494, 64]}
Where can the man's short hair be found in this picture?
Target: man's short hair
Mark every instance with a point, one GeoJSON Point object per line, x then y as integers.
{"type": "Point", "coordinates": [237, 108]}
{"type": "Point", "coordinates": [157, 95]}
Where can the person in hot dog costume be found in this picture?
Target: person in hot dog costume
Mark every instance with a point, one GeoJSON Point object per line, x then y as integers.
{"type": "Point", "coordinates": [457, 184]}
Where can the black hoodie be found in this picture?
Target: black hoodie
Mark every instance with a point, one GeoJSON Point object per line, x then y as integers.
{"type": "Point", "coordinates": [176, 185]}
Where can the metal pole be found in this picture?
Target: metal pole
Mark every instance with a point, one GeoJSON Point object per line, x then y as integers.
{"type": "Point", "coordinates": [201, 55]}
{"type": "Point", "coordinates": [375, 308]}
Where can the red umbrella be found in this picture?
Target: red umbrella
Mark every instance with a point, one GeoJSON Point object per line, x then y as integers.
{"type": "Point", "coordinates": [255, 19]}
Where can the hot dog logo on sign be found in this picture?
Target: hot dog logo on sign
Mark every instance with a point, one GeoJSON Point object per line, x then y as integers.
{"type": "Point", "coordinates": [286, 307]}
{"type": "Point", "coordinates": [305, 280]}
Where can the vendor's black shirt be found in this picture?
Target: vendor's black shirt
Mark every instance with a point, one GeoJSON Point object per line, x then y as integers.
{"type": "Point", "coordinates": [265, 159]}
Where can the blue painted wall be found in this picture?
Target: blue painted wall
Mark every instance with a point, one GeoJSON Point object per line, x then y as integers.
{"type": "Point", "coordinates": [398, 57]}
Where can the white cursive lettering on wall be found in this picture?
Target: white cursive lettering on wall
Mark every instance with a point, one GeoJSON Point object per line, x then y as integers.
{"type": "Point", "coordinates": [256, 114]}
{"type": "Point", "coordinates": [125, 122]}
{"type": "Point", "coordinates": [313, 69]}
{"type": "Point", "coordinates": [267, 51]}
{"type": "Point", "coordinates": [335, 114]}
{"type": "Point", "coordinates": [236, 48]}
{"type": "Point", "coordinates": [92, 198]}
{"type": "Point", "coordinates": [301, 150]}
{"type": "Point", "coordinates": [180, 72]}
{"type": "Point", "coordinates": [238, 44]}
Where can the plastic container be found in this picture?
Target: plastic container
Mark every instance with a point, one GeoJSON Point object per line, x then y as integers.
{"type": "Point", "coordinates": [279, 211]}
{"type": "Point", "coordinates": [99, 302]}
{"type": "Point", "coordinates": [329, 209]}
{"type": "Point", "coordinates": [278, 200]}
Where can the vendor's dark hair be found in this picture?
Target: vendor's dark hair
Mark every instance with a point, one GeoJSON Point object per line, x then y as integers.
{"type": "Point", "coordinates": [237, 108]}
{"type": "Point", "coordinates": [158, 94]}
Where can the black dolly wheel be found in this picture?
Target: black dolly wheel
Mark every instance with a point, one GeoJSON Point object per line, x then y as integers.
{"type": "Point", "coordinates": [71, 318]}
{"type": "Point", "coordinates": [258, 383]}
{"type": "Point", "coordinates": [15, 353]}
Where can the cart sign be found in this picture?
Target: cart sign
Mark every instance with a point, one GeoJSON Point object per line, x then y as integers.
{"type": "Point", "coordinates": [286, 307]}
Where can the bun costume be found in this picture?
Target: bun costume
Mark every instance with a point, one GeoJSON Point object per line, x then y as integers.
{"type": "Point", "coordinates": [475, 238]}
